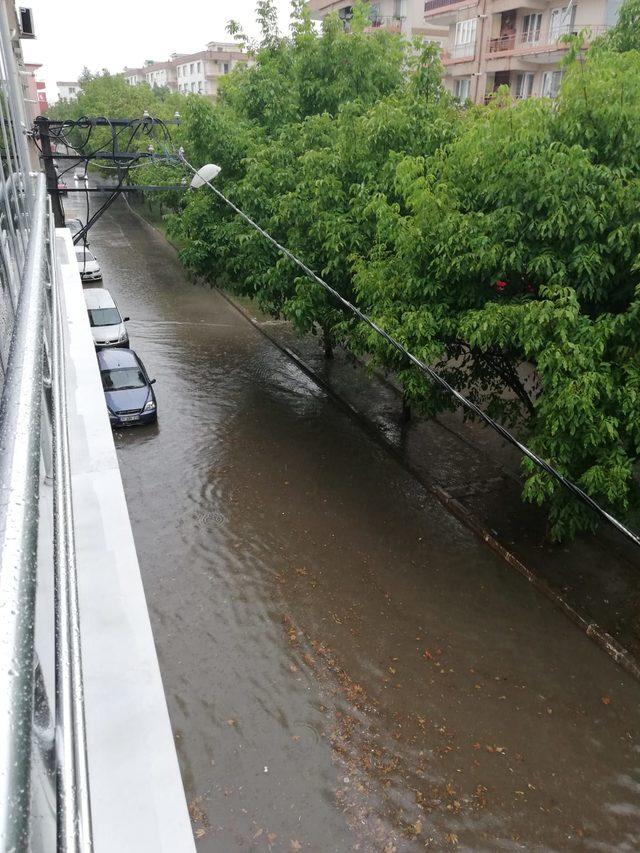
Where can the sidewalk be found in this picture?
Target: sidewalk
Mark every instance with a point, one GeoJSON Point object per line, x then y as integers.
{"type": "Point", "coordinates": [595, 579]}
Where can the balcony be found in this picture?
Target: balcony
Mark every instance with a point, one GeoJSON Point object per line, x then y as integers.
{"type": "Point", "coordinates": [389, 23]}
{"type": "Point", "coordinates": [538, 46]}
{"type": "Point", "coordinates": [459, 53]}
{"type": "Point", "coordinates": [445, 11]}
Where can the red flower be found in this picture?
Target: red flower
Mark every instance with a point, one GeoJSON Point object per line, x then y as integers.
{"type": "Point", "coordinates": [501, 285]}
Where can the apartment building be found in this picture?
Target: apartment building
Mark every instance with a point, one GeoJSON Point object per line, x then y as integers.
{"type": "Point", "coordinates": [201, 72]}
{"type": "Point", "coordinates": [134, 76]}
{"type": "Point", "coordinates": [397, 16]}
{"type": "Point", "coordinates": [190, 72]}
{"type": "Point", "coordinates": [494, 42]}
{"type": "Point", "coordinates": [161, 74]}
{"type": "Point", "coordinates": [68, 90]}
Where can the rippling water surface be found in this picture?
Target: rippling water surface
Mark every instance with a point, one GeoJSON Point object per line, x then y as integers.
{"type": "Point", "coordinates": [346, 667]}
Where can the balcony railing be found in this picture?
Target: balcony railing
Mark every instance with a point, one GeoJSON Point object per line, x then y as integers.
{"type": "Point", "coordinates": [44, 787]}
{"type": "Point", "coordinates": [459, 52]}
{"type": "Point", "coordinates": [387, 22]}
{"type": "Point", "coordinates": [432, 5]}
{"type": "Point", "coordinates": [33, 425]}
{"type": "Point", "coordinates": [529, 41]}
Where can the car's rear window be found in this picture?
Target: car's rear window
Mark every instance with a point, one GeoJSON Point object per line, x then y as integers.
{"type": "Point", "coordinates": [84, 254]}
{"type": "Point", "coordinates": [104, 316]}
{"type": "Point", "coordinates": [122, 378]}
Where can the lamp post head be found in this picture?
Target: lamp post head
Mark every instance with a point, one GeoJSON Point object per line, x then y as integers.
{"type": "Point", "coordinates": [204, 174]}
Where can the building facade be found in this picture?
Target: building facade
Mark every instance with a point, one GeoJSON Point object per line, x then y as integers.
{"type": "Point", "coordinates": [35, 94]}
{"type": "Point", "coordinates": [68, 90]}
{"type": "Point", "coordinates": [201, 72]}
{"type": "Point", "coordinates": [161, 75]}
{"type": "Point", "coordinates": [492, 43]}
{"type": "Point", "coordinates": [197, 73]}
{"type": "Point", "coordinates": [397, 16]}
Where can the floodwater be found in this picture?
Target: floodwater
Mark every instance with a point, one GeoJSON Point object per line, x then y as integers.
{"type": "Point", "coordinates": [346, 666]}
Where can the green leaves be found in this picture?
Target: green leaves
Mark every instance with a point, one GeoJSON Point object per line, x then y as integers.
{"type": "Point", "coordinates": [500, 244]}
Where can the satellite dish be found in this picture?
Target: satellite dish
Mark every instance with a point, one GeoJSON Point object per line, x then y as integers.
{"type": "Point", "coordinates": [206, 173]}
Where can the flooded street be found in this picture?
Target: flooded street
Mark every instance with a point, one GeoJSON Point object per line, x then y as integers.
{"type": "Point", "coordinates": [346, 666]}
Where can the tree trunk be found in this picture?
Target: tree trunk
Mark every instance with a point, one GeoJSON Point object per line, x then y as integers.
{"type": "Point", "coordinates": [405, 416]}
{"type": "Point", "coordinates": [328, 344]}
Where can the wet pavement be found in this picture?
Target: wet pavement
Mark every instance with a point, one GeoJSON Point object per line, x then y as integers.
{"type": "Point", "coordinates": [346, 666]}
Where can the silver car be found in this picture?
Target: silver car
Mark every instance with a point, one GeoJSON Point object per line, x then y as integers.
{"type": "Point", "coordinates": [107, 326]}
{"type": "Point", "coordinates": [88, 267]}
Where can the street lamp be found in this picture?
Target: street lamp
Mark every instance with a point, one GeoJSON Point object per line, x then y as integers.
{"type": "Point", "coordinates": [204, 175]}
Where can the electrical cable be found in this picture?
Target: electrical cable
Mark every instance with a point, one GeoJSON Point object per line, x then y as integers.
{"type": "Point", "coordinates": [433, 375]}
{"type": "Point", "coordinates": [116, 191]}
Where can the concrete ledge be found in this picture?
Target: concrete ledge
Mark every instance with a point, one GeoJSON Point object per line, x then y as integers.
{"type": "Point", "coordinates": [138, 801]}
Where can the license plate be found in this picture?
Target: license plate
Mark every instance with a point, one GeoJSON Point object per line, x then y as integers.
{"type": "Point", "coordinates": [128, 418]}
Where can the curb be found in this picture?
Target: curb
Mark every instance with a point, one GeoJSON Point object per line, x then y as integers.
{"type": "Point", "coordinates": [604, 640]}
{"type": "Point", "coordinates": [615, 650]}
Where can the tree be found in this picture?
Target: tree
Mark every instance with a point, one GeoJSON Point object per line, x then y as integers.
{"type": "Point", "coordinates": [499, 243]}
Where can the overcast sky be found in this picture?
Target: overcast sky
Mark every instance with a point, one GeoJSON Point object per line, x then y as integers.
{"type": "Point", "coordinates": [114, 33]}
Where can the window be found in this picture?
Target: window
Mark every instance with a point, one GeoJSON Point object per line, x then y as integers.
{"type": "Point", "coordinates": [122, 378]}
{"type": "Point", "coordinates": [524, 85]}
{"type": "Point", "coordinates": [104, 317]}
{"type": "Point", "coordinates": [400, 9]}
{"type": "Point", "coordinates": [465, 37]}
{"type": "Point", "coordinates": [225, 68]}
{"type": "Point", "coordinates": [191, 68]}
{"type": "Point", "coordinates": [551, 84]}
{"type": "Point", "coordinates": [199, 67]}
{"type": "Point", "coordinates": [193, 87]}
{"type": "Point", "coordinates": [531, 28]}
{"type": "Point", "coordinates": [461, 88]}
{"type": "Point", "coordinates": [561, 22]}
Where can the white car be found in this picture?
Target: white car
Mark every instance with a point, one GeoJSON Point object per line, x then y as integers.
{"type": "Point", "coordinates": [88, 267]}
{"type": "Point", "coordinates": [107, 326]}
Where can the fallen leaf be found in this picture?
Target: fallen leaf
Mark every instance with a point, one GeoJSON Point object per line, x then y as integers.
{"type": "Point", "coordinates": [231, 722]}
{"type": "Point", "coordinates": [199, 833]}
{"type": "Point", "coordinates": [295, 844]}
{"type": "Point", "coordinates": [606, 700]}
{"type": "Point", "coordinates": [271, 837]}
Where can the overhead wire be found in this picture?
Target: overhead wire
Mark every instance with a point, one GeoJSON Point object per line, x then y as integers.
{"type": "Point", "coordinates": [426, 369]}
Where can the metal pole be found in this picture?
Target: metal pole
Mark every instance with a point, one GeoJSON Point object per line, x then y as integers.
{"type": "Point", "coordinates": [44, 131]}
{"type": "Point", "coordinates": [20, 414]}
{"type": "Point", "coordinates": [74, 829]}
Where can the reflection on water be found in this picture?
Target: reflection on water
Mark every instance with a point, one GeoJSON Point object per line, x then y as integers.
{"type": "Point", "coordinates": [346, 667]}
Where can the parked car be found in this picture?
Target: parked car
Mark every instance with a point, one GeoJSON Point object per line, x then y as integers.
{"type": "Point", "coordinates": [87, 265]}
{"type": "Point", "coordinates": [107, 326]}
{"type": "Point", "coordinates": [74, 225]}
{"type": "Point", "coordinates": [62, 188]}
{"type": "Point", "coordinates": [127, 388]}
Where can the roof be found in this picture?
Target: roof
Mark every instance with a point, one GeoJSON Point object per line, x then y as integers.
{"type": "Point", "coordinates": [112, 359]}
{"type": "Point", "coordinates": [98, 297]}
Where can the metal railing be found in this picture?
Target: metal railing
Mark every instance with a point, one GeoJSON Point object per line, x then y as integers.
{"type": "Point", "coordinates": [389, 22]}
{"type": "Point", "coordinates": [432, 5]}
{"type": "Point", "coordinates": [34, 440]}
{"type": "Point", "coordinates": [530, 40]}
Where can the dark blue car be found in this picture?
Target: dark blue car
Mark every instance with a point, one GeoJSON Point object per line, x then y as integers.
{"type": "Point", "coordinates": [127, 388]}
